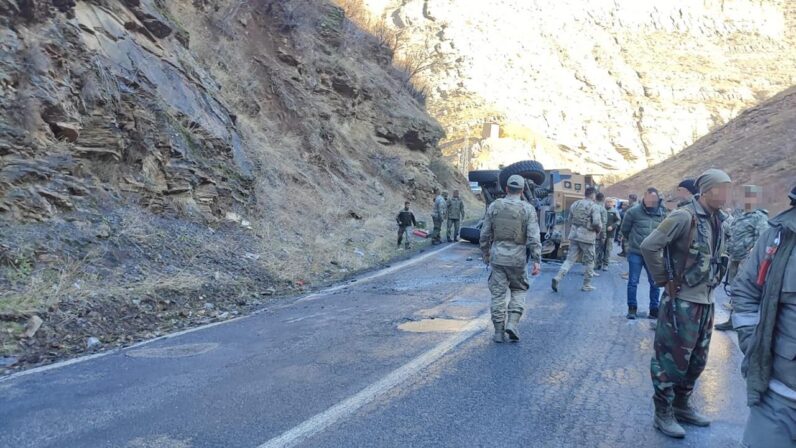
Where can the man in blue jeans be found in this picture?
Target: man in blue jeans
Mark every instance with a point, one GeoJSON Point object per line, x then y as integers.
{"type": "Point", "coordinates": [639, 221]}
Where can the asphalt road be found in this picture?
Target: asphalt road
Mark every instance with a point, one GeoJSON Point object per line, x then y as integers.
{"type": "Point", "coordinates": [404, 359]}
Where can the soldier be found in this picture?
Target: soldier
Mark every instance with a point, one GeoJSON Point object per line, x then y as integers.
{"type": "Point", "coordinates": [584, 216]}
{"type": "Point", "coordinates": [455, 215]}
{"type": "Point", "coordinates": [743, 234]}
{"type": "Point", "coordinates": [684, 254]}
{"type": "Point", "coordinates": [510, 228]}
{"type": "Point", "coordinates": [599, 248]}
{"type": "Point", "coordinates": [764, 294]}
{"type": "Point", "coordinates": [638, 224]}
{"type": "Point", "coordinates": [405, 220]}
{"type": "Point", "coordinates": [685, 191]}
{"type": "Point", "coordinates": [438, 215]}
{"type": "Point", "coordinates": [611, 227]}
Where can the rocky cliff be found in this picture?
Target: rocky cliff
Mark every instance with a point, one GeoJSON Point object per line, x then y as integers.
{"type": "Point", "coordinates": [602, 86]}
{"type": "Point", "coordinates": [168, 163]}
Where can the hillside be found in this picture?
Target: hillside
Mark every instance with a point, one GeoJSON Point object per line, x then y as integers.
{"type": "Point", "coordinates": [758, 147]}
{"type": "Point", "coordinates": [164, 164]}
{"type": "Point", "coordinates": [600, 86]}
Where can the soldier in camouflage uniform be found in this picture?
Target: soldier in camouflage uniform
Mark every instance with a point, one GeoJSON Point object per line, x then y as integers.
{"type": "Point", "coordinates": [510, 228]}
{"type": "Point", "coordinates": [611, 226]}
{"type": "Point", "coordinates": [599, 247]}
{"type": "Point", "coordinates": [455, 216]}
{"type": "Point", "coordinates": [685, 254]}
{"type": "Point", "coordinates": [438, 215]}
{"type": "Point", "coordinates": [743, 234]}
{"type": "Point", "coordinates": [586, 221]}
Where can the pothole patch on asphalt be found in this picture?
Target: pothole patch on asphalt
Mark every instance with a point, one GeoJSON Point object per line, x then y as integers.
{"type": "Point", "coordinates": [174, 351]}
{"type": "Point", "coordinates": [434, 326]}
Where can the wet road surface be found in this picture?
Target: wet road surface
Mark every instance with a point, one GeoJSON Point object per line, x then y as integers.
{"type": "Point", "coordinates": [403, 359]}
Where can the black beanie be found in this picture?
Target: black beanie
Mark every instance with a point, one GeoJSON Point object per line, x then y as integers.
{"type": "Point", "coordinates": [689, 185]}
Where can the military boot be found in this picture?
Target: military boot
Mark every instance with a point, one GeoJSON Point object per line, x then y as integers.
{"type": "Point", "coordinates": [554, 284]}
{"type": "Point", "coordinates": [500, 330]}
{"type": "Point", "coordinates": [631, 312]}
{"type": "Point", "coordinates": [725, 326]}
{"type": "Point", "coordinates": [685, 413]}
{"type": "Point", "coordinates": [511, 327]}
{"type": "Point", "coordinates": [666, 423]}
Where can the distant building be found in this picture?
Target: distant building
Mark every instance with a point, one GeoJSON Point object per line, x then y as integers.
{"type": "Point", "coordinates": [490, 130]}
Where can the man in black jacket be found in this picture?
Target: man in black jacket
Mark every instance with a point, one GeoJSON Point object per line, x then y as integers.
{"type": "Point", "coordinates": [405, 220]}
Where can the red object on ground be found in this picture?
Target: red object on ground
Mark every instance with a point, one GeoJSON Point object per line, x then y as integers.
{"type": "Point", "coordinates": [420, 233]}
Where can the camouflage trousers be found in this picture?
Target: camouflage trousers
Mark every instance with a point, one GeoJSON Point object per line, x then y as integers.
{"type": "Point", "coordinates": [603, 253]}
{"type": "Point", "coordinates": [454, 225]}
{"type": "Point", "coordinates": [582, 251]}
{"type": "Point", "coordinates": [682, 340]}
{"type": "Point", "coordinates": [503, 280]}
{"type": "Point", "coordinates": [435, 234]}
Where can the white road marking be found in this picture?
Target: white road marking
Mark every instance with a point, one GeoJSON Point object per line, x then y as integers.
{"type": "Point", "coordinates": [350, 405]}
{"type": "Point", "coordinates": [403, 374]}
{"type": "Point", "coordinates": [312, 296]}
{"type": "Point", "coordinates": [376, 274]}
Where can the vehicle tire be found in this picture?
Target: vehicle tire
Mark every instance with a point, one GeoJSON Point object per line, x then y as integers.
{"type": "Point", "coordinates": [529, 169]}
{"type": "Point", "coordinates": [471, 234]}
{"type": "Point", "coordinates": [483, 177]}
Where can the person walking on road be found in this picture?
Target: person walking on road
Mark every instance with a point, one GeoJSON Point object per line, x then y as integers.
{"type": "Point", "coordinates": [406, 220]}
{"type": "Point", "coordinates": [455, 216]}
{"type": "Point", "coordinates": [586, 221]}
{"type": "Point", "coordinates": [639, 223]}
{"type": "Point", "coordinates": [743, 234]}
{"type": "Point", "coordinates": [438, 215]}
{"type": "Point", "coordinates": [599, 248]}
{"type": "Point", "coordinates": [686, 255]}
{"type": "Point", "coordinates": [510, 228]}
{"type": "Point", "coordinates": [764, 296]}
{"type": "Point", "coordinates": [611, 227]}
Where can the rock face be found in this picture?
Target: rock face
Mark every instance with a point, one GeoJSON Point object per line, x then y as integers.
{"type": "Point", "coordinates": [602, 86]}
{"type": "Point", "coordinates": [758, 147]}
{"type": "Point", "coordinates": [158, 155]}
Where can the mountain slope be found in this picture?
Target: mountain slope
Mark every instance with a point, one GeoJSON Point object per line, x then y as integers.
{"type": "Point", "coordinates": [758, 147]}
{"type": "Point", "coordinates": [601, 86]}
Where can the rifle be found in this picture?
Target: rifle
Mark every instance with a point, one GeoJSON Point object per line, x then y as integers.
{"type": "Point", "coordinates": [672, 284]}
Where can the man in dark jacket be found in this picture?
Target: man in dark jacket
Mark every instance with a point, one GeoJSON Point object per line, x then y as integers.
{"type": "Point", "coordinates": [764, 300]}
{"type": "Point", "coordinates": [405, 220]}
{"type": "Point", "coordinates": [638, 223]}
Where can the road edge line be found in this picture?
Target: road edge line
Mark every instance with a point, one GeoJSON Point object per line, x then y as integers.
{"type": "Point", "coordinates": [311, 296]}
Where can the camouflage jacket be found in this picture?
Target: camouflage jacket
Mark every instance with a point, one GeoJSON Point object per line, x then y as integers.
{"type": "Point", "coordinates": [744, 231]}
{"type": "Point", "coordinates": [702, 270]}
{"type": "Point", "coordinates": [455, 208]}
{"type": "Point", "coordinates": [440, 208]}
{"type": "Point", "coordinates": [586, 221]}
{"type": "Point", "coordinates": [510, 251]}
{"type": "Point", "coordinates": [603, 219]}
